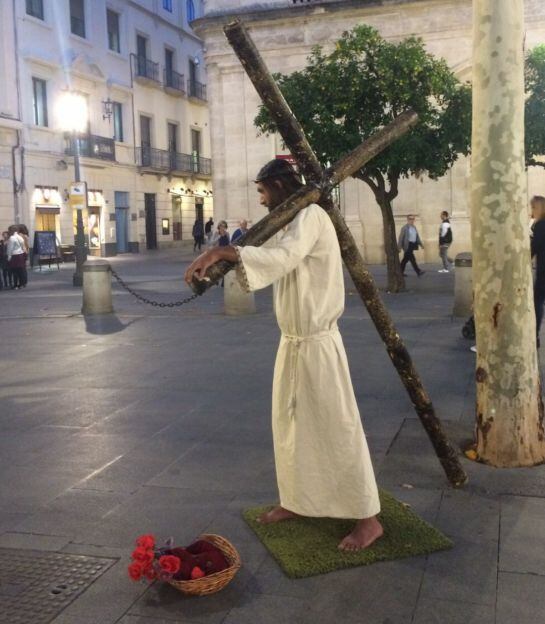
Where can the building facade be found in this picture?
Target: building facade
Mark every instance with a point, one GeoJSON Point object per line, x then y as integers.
{"type": "Point", "coordinates": [145, 150]}
{"type": "Point", "coordinates": [285, 32]}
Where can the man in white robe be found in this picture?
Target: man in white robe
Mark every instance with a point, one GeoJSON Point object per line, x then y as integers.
{"type": "Point", "coordinates": [322, 460]}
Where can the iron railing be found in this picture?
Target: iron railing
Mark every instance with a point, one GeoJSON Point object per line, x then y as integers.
{"type": "Point", "coordinates": [174, 80]}
{"type": "Point", "coordinates": [165, 160]}
{"type": "Point", "coordinates": [197, 90]}
{"type": "Point", "coordinates": [92, 146]}
{"type": "Point", "coordinates": [144, 68]}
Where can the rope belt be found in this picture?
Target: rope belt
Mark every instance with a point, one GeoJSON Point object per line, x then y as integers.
{"type": "Point", "coordinates": [297, 341]}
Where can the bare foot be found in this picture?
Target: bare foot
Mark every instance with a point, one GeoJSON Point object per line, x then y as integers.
{"type": "Point", "coordinates": [364, 534]}
{"type": "Point", "coordinates": [277, 514]}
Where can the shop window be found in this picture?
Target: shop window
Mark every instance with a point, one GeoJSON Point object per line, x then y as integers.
{"type": "Point", "coordinates": [167, 5]}
{"type": "Point", "coordinates": [165, 226]}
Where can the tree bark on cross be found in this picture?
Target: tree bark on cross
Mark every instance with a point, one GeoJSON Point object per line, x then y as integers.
{"type": "Point", "coordinates": [318, 189]}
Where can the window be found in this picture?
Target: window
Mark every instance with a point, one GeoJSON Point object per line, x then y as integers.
{"type": "Point", "coordinates": [39, 91]}
{"type": "Point", "coordinates": [77, 17]}
{"type": "Point", "coordinates": [112, 19]}
{"type": "Point", "coordinates": [118, 121]}
{"type": "Point", "coordinates": [167, 5]}
{"type": "Point", "coordinates": [190, 11]}
{"type": "Point", "coordinates": [35, 8]}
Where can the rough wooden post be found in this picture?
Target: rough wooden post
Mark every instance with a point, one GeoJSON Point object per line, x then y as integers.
{"type": "Point", "coordinates": [509, 419]}
{"type": "Point", "coordinates": [295, 139]}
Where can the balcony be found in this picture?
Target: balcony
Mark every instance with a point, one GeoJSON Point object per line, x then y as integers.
{"type": "Point", "coordinates": [92, 146]}
{"type": "Point", "coordinates": [197, 90]}
{"type": "Point", "coordinates": [144, 71]}
{"type": "Point", "coordinates": [174, 82]}
{"type": "Point", "coordinates": [154, 160]}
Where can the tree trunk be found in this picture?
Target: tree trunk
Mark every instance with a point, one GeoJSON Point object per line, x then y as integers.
{"type": "Point", "coordinates": [396, 282]}
{"type": "Point", "coordinates": [509, 419]}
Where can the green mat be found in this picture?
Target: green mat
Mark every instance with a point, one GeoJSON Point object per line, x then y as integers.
{"type": "Point", "coordinates": [308, 546]}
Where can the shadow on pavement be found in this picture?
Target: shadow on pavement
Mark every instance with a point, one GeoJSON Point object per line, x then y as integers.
{"type": "Point", "coordinates": [103, 324]}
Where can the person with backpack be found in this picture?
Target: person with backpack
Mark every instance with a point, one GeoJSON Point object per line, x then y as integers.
{"type": "Point", "coordinates": [445, 241]}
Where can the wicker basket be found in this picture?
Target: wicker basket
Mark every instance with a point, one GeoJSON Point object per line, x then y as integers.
{"type": "Point", "coordinates": [213, 582]}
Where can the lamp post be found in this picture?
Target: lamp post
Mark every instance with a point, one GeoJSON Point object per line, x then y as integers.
{"type": "Point", "coordinates": [74, 118]}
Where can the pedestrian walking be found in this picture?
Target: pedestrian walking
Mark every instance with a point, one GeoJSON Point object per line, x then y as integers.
{"type": "Point", "coordinates": [16, 257]}
{"type": "Point", "coordinates": [409, 241]}
{"type": "Point", "coordinates": [240, 231]}
{"type": "Point", "coordinates": [445, 241]}
{"type": "Point", "coordinates": [537, 204]}
{"type": "Point", "coordinates": [322, 460]}
{"type": "Point", "coordinates": [208, 229]}
{"type": "Point", "coordinates": [198, 234]}
{"type": "Point", "coordinates": [221, 237]}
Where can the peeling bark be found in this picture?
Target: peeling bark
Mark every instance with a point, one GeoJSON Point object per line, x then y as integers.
{"type": "Point", "coordinates": [509, 423]}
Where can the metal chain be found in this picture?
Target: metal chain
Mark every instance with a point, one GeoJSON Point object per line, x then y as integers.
{"type": "Point", "coordinates": [158, 304]}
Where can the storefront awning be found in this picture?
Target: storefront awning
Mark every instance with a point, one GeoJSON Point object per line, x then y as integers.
{"type": "Point", "coordinates": [48, 209]}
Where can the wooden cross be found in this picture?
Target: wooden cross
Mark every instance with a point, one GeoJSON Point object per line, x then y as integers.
{"type": "Point", "coordinates": [318, 190]}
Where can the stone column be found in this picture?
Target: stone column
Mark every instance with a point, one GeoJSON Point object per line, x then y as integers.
{"type": "Point", "coordinates": [509, 415]}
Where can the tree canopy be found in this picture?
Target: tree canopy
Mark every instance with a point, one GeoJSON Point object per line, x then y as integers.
{"type": "Point", "coordinates": [535, 106]}
{"type": "Point", "coordinates": [342, 97]}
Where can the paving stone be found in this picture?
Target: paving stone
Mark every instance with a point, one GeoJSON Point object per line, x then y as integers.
{"type": "Point", "coordinates": [32, 541]}
{"type": "Point", "coordinates": [470, 516]}
{"type": "Point", "coordinates": [521, 598]}
{"type": "Point", "coordinates": [467, 573]}
{"type": "Point", "coordinates": [522, 546]}
{"type": "Point", "coordinates": [441, 611]}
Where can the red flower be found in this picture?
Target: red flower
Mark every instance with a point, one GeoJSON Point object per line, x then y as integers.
{"type": "Point", "coordinates": [146, 541]}
{"type": "Point", "coordinates": [169, 564]}
{"type": "Point", "coordinates": [197, 573]}
{"type": "Point", "coordinates": [143, 556]}
{"type": "Point", "coordinates": [136, 570]}
{"type": "Point", "coordinates": [150, 574]}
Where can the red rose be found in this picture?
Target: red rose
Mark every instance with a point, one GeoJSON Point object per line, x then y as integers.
{"type": "Point", "coordinates": [169, 564]}
{"type": "Point", "coordinates": [136, 570]}
{"type": "Point", "coordinates": [196, 573]}
{"type": "Point", "coordinates": [146, 541]}
{"type": "Point", "coordinates": [143, 556]}
{"type": "Point", "coordinates": [150, 574]}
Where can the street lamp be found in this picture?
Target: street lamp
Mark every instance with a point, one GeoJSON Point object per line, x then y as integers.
{"type": "Point", "coordinates": [73, 115]}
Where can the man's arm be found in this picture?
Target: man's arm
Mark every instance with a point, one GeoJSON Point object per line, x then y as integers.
{"type": "Point", "coordinates": [200, 265]}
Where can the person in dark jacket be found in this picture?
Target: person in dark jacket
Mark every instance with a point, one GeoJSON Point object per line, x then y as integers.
{"type": "Point", "coordinates": [409, 241]}
{"type": "Point", "coordinates": [6, 279]}
{"type": "Point", "coordinates": [198, 234]}
{"type": "Point", "coordinates": [537, 204]}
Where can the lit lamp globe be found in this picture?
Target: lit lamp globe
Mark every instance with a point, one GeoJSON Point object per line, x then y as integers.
{"type": "Point", "coordinates": [73, 113]}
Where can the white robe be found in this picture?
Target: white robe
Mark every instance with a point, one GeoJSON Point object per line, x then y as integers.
{"type": "Point", "coordinates": [322, 461]}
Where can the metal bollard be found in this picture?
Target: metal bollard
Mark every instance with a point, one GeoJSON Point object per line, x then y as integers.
{"type": "Point", "coordinates": [97, 288]}
{"type": "Point", "coordinates": [236, 302]}
{"type": "Point", "coordinates": [463, 285]}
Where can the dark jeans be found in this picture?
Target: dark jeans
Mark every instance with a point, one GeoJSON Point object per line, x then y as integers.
{"type": "Point", "coordinates": [19, 276]}
{"type": "Point", "coordinates": [409, 257]}
{"type": "Point", "coordinates": [199, 240]}
{"type": "Point", "coordinates": [6, 275]}
{"type": "Point", "coordinates": [539, 301]}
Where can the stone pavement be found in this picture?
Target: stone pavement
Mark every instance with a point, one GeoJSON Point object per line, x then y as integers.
{"type": "Point", "coordinates": [157, 420]}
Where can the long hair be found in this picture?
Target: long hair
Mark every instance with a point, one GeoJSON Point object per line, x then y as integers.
{"type": "Point", "coordinates": [289, 184]}
{"type": "Point", "coordinates": [538, 207]}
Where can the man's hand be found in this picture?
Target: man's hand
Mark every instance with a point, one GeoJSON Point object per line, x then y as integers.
{"type": "Point", "coordinates": [200, 265]}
